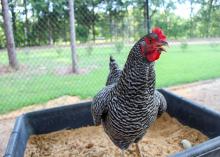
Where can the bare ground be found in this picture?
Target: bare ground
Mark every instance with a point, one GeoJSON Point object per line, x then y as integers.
{"type": "Point", "coordinates": [205, 92]}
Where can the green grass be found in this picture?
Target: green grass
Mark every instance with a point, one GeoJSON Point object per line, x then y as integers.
{"type": "Point", "coordinates": [38, 82]}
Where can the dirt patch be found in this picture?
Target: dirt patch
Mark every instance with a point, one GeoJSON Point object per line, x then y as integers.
{"type": "Point", "coordinates": [204, 92]}
{"type": "Point", "coordinates": [5, 69]}
{"type": "Point", "coordinates": [163, 138]}
{"type": "Point", "coordinates": [68, 70]}
{"type": "Point", "coordinates": [23, 70]}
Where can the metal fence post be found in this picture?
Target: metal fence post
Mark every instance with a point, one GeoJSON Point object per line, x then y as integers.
{"type": "Point", "coordinates": [148, 17]}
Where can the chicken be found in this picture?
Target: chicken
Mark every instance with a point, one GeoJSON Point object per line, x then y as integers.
{"type": "Point", "coordinates": [115, 74]}
{"type": "Point", "coordinates": [129, 103]}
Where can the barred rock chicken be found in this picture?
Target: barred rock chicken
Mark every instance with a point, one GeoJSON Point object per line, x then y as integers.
{"type": "Point", "coordinates": [129, 103]}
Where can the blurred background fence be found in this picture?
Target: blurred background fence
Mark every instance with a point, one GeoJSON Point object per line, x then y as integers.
{"type": "Point", "coordinates": [41, 30]}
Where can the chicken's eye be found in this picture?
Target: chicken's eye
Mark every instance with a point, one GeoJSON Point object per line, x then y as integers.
{"type": "Point", "coordinates": [154, 36]}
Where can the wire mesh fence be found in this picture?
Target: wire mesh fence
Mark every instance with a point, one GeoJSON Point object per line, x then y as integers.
{"type": "Point", "coordinates": [103, 28]}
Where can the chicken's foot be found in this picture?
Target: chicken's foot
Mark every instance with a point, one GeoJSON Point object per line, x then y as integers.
{"type": "Point", "coordinates": [138, 150]}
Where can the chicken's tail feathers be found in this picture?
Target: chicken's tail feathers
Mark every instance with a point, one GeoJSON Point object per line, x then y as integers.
{"type": "Point", "coordinates": [114, 73]}
{"type": "Point", "coordinates": [111, 59]}
{"type": "Point", "coordinates": [112, 64]}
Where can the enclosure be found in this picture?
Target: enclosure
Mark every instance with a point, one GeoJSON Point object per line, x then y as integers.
{"type": "Point", "coordinates": [79, 115]}
{"type": "Point", "coordinates": [62, 48]}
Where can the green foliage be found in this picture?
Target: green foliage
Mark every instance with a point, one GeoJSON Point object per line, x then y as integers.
{"type": "Point", "coordinates": [89, 49]}
{"type": "Point", "coordinates": [2, 38]}
{"type": "Point", "coordinates": [82, 33]}
{"type": "Point", "coordinates": [59, 51]}
{"type": "Point", "coordinates": [119, 46]}
{"type": "Point", "coordinates": [47, 22]}
{"type": "Point", "coordinates": [183, 46]}
{"type": "Point", "coordinates": [214, 45]}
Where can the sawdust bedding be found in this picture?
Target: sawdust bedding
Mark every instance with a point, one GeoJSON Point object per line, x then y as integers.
{"type": "Point", "coordinates": [163, 138]}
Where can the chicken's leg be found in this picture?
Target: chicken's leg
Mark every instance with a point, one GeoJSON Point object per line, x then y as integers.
{"type": "Point", "coordinates": [122, 153]}
{"type": "Point", "coordinates": [138, 151]}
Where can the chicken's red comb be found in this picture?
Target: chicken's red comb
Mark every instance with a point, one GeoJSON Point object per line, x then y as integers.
{"type": "Point", "coordinates": [159, 33]}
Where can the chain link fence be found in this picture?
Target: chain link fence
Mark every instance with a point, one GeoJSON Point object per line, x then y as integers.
{"type": "Point", "coordinates": [103, 28]}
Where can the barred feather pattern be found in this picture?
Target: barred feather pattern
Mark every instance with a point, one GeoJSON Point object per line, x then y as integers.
{"type": "Point", "coordinates": [127, 108]}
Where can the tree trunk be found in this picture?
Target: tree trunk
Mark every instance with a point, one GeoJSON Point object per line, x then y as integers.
{"type": "Point", "coordinates": [110, 25]}
{"type": "Point", "coordinates": [191, 19]}
{"type": "Point", "coordinates": [13, 17]}
{"type": "Point", "coordinates": [93, 21]}
{"type": "Point", "coordinates": [49, 27]}
{"type": "Point", "coordinates": [64, 32]}
{"type": "Point", "coordinates": [26, 25]}
{"type": "Point", "coordinates": [208, 21]}
{"type": "Point", "coordinates": [72, 36]}
{"type": "Point", "coordinates": [9, 35]}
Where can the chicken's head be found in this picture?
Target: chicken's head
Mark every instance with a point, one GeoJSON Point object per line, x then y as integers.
{"type": "Point", "coordinates": [152, 45]}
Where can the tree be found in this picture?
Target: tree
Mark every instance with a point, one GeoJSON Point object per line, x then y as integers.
{"type": "Point", "coordinates": [26, 25]}
{"type": "Point", "coordinates": [83, 20]}
{"type": "Point", "coordinates": [94, 16]}
{"type": "Point", "coordinates": [115, 11]}
{"type": "Point", "coordinates": [72, 36]}
{"type": "Point", "coordinates": [191, 27]}
{"type": "Point", "coordinates": [9, 36]}
{"type": "Point", "coordinates": [12, 5]}
{"type": "Point", "coordinates": [86, 19]}
{"type": "Point", "coordinates": [208, 18]}
{"type": "Point", "coordinates": [48, 22]}
{"type": "Point", "coordinates": [44, 22]}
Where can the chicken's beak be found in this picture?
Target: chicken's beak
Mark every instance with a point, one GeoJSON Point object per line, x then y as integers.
{"type": "Point", "coordinates": [164, 43]}
{"type": "Point", "coordinates": [161, 44]}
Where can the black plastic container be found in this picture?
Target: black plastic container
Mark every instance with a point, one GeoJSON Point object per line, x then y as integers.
{"type": "Point", "coordinates": [78, 115]}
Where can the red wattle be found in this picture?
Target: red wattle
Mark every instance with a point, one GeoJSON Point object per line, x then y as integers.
{"type": "Point", "coordinates": [153, 56]}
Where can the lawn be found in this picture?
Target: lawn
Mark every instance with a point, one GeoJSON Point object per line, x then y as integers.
{"type": "Point", "coordinates": [41, 76]}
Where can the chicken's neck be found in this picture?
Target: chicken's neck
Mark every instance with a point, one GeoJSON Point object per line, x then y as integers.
{"type": "Point", "coordinates": [138, 76]}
